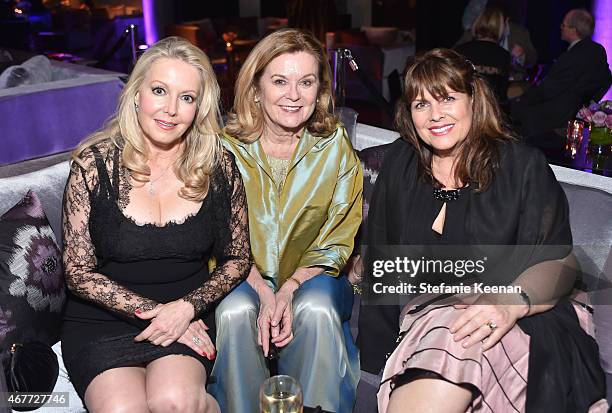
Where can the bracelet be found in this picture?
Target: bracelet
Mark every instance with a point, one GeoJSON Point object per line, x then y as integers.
{"type": "Point", "coordinates": [526, 299]}
{"type": "Point", "coordinates": [299, 283]}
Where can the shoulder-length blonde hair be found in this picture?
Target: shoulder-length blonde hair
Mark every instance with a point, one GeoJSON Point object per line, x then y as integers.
{"type": "Point", "coordinates": [441, 70]}
{"type": "Point", "coordinates": [490, 24]}
{"type": "Point", "coordinates": [246, 120]}
{"type": "Point", "coordinates": [201, 140]}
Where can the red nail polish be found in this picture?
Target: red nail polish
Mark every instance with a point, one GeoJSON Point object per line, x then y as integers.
{"type": "Point", "coordinates": [138, 311]}
{"type": "Point", "coordinates": [205, 355]}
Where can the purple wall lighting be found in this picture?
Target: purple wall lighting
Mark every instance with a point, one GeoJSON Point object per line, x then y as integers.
{"type": "Point", "coordinates": [602, 10]}
{"type": "Point", "coordinates": [148, 10]}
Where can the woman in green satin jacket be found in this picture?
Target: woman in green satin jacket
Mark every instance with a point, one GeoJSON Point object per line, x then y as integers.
{"type": "Point", "coordinates": [303, 182]}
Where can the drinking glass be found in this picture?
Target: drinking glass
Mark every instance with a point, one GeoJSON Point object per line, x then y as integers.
{"type": "Point", "coordinates": [575, 131]}
{"type": "Point", "coordinates": [280, 394]}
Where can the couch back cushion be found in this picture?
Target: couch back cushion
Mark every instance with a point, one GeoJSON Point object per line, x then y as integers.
{"type": "Point", "coordinates": [591, 221]}
{"type": "Point", "coordinates": [47, 183]}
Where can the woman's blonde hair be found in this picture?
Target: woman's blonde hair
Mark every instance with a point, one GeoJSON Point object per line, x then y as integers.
{"type": "Point", "coordinates": [438, 71]}
{"type": "Point", "coordinates": [490, 24]}
{"type": "Point", "coordinates": [201, 141]}
{"type": "Point", "coordinates": [246, 120]}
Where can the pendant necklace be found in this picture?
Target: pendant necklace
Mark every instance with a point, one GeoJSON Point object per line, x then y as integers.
{"type": "Point", "coordinates": [151, 182]}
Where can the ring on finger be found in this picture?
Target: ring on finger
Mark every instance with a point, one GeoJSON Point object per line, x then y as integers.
{"type": "Point", "coordinates": [491, 324]}
{"type": "Point", "coordinates": [197, 341]}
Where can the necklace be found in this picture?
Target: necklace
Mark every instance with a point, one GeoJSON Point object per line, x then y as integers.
{"type": "Point", "coordinates": [152, 181]}
{"type": "Point", "coordinates": [447, 194]}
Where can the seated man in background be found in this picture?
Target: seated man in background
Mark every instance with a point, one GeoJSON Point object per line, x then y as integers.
{"type": "Point", "coordinates": [579, 75]}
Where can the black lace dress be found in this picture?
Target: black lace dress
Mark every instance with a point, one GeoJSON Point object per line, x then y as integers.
{"type": "Point", "coordinates": [115, 265]}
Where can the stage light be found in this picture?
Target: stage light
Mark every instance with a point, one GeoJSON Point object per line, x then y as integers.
{"type": "Point", "coordinates": [148, 11]}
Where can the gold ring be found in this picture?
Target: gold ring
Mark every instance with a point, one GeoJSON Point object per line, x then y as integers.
{"type": "Point", "coordinates": [491, 324]}
{"type": "Point", "coordinates": [197, 341]}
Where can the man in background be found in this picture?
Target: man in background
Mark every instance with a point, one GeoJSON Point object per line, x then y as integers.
{"type": "Point", "coordinates": [579, 75]}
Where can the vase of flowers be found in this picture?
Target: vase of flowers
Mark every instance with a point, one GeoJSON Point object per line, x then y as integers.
{"type": "Point", "coordinates": [599, 116]}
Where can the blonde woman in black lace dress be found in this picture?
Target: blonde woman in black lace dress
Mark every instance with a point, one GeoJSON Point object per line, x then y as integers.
{"type": "Point", "coordinates": [149, 200]}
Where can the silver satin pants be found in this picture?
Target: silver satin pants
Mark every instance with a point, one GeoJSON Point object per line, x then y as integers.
{"type": "Point", "coordinates": [322, 354]}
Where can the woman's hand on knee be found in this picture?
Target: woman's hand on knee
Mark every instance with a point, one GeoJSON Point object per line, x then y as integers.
{"type": "Point", "coordinates": [198, 339]}
{"type": "Point", "coordinates": [267, 306]}
{"type": "Point", "coordinates": [485, 321]}
{"type": "Point", "coordinates": [168, 322]}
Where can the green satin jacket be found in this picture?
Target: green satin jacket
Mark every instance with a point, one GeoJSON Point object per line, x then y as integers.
{"type": "Point", "coordinates": [313, 219]}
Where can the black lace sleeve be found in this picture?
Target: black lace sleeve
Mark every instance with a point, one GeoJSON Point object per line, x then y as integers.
{"type": "Point", "coordinates": [79, 252]}
{"type": "Point", "coordinates": [232, 248]}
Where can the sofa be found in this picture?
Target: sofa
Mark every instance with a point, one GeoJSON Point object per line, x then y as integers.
{"type": "Point", "coordinates": [590, 198]}
{"type": "Point", "coordinates": [49, 106]}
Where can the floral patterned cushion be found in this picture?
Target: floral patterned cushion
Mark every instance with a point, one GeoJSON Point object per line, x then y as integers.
{"type": "Point", "coordinates": [371, 161]}
{"type": "Point", "coordinates": [32, 291]}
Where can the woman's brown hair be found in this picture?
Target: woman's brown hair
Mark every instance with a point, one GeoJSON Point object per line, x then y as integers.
{"type": "Point", "coordinates": [246, 120]}
{"type": "Point", "coordinates": [439, 71]}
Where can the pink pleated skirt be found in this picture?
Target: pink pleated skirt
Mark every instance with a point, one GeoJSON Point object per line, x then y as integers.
{"type": "Point", "coordinates": [499, 374]}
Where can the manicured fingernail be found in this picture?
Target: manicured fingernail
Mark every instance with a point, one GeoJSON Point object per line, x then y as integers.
{"type": "Point", "coordinates": [204, 354]}
{"type": "Point", "coordinates": [138, 311]}
{"type": "Point", "coordinates": [212, 356]}
{"type": "Point", "coordinates": [464, 344]}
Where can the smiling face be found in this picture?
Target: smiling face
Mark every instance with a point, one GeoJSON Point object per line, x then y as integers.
{"type": "Point", "coordinates": [442, 124]}
{"type": "Point", "coordinates": [167, 101]}
{"type": "Point", "coordinates": [288, 91]}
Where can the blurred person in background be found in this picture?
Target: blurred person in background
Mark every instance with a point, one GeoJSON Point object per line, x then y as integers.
{"type": "Point", "coordinates": [490, 59]}
{"type": "Point", "coordinates": [579, 75]}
